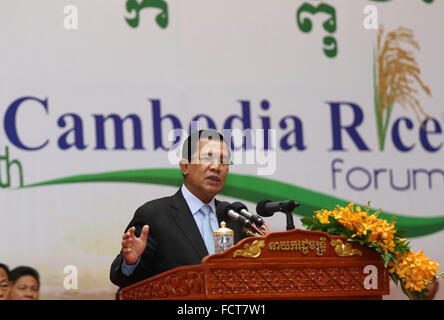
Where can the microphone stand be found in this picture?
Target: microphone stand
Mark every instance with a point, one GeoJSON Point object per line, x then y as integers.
{"type": "Point", "coordinates": [290, 222]}
{"type": "Point", "coordinates": [287, 209]}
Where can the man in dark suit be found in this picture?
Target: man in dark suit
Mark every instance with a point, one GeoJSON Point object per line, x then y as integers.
{"type": "Point", "coordinates": [181, 226]}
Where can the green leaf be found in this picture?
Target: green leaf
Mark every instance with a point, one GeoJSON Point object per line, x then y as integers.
{"type": "Point", "coordinates": [373, 246]}
{"type": "Point", "coordinates": [387, 257]}
{"type": "Point", "coordinates": [395, 278]}
{"type": "Point", "coordinates": [307, 221]}
{"type": "Point", "coordinates": [408, 293]}
{"type": "Point", "coordinates": [400, 232]}
{"type": "Point", "coordinates": [380, 250]}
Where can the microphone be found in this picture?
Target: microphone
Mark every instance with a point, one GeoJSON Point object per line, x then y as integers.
{"type": "Point", "coordinates": [266, 208]}
{"type": "Point", "coordinates": [225, 208]}
{"type": "Point", "coordinates": [243, 210]}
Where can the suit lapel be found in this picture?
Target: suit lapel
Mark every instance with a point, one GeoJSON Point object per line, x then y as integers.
{"type": "Point", "coordinates": [186, 223]}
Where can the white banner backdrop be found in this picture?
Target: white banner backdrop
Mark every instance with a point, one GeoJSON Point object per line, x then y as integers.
{"type": "Point", "coordinates": [89, 91]}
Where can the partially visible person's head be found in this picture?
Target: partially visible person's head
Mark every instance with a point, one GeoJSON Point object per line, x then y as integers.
{"type": "Point", "coordinates": [204, 165]}
{"type": "Point", "coordinates": [25, 283]}
{"type": "Point", "coordinates": [5, 287]}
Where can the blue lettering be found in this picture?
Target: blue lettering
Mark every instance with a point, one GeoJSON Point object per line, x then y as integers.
{"type": "Point", "coordinates": [396, 137]}
{"type": "Point", "coordinates": [76, 131]}
{"type": "Point", "coordinates": [376, 174]}
{"type": "Point", "coordinates": [10, 123]}
{"type": "Point", "coordinates": [118, 131]}
{"type": "Point", "coordinates": [246, 124]}
{"type": "Point", "coordinates": [210, 122]}
{"type": "Point", "coordinates": [157, 125]}
{"type": "Point", "coordinates": [266, 125]}
{"type": "Point", "coordinates": [365, 186]}
{"type": "Point", "coordinates": [429, 173]}
{"type": "Point", "coordinates": [423, 135]}
{"type": "Point", "coordinates": [334, 170]}
{"type": "Point", "coordinates": [337, 126]}
{"type": "Point", "coordinates": [297, 132]}
{"type": "Point", "coordinates": [400, 188]}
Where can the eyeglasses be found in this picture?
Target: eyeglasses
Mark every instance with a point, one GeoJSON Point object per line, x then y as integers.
{"type": "Point", "coordinates": [209, 160]}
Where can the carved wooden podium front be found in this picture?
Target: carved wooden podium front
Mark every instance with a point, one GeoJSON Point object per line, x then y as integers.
{"type": "Point", "coordinates": [296, 264]}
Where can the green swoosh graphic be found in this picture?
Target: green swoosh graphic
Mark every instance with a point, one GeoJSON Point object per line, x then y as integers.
{"type": "Point", "coordinates": [254, 189]}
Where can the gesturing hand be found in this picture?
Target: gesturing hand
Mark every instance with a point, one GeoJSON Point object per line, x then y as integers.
{"type": "Point", "coordinates": [133, 247]}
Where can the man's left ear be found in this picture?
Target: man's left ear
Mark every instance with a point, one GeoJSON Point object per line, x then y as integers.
{"type": "Point", "coordinates": [184, 166]}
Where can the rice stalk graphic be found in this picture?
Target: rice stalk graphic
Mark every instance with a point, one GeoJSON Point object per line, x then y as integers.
{"type": "Point", "coordinates": [396, 78]}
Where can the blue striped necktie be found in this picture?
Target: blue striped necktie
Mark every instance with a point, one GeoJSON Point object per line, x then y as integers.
{"type": "Point", "coordinates": [207, 231]}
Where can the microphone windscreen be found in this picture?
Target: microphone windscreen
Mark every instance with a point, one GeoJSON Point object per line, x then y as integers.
{"type": "Point", "coordinates": [238, 206]}
{"type": "Point", "coordinates": [223, 207]}
{"type": "Point", "coordinates": [260, 209]}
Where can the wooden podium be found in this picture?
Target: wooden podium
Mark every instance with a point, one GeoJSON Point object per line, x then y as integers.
{"type": "Point", "coordinates": [296, 264]}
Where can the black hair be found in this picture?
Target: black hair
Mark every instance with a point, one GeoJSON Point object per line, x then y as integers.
{"type": "Point", "coordinates": [5, 267]}
{"type": "Point", "coordinates": [21, 271]}
{"type": "Point", "coordinates": [191, 144]}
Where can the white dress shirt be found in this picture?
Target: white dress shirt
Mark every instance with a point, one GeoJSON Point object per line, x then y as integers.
{"type": "Point", "coordinates": [194, 203]}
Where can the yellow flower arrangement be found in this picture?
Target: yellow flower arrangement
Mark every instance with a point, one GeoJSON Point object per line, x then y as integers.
{"type": "Point", "coordinates": [416, 270]}
{"type": "Point", "coordinates": [413, 270]}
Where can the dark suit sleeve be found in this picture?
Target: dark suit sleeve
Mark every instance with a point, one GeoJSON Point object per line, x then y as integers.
{"type": "Point", "coordinates": [145, 267]}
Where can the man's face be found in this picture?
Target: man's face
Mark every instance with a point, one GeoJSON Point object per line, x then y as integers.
{"type": "Point", "coordinates": [206, 174]}
{"type": "Point", "coordinates": [25, 288]}
{"type": "Point", "coordinates": [5, 288]}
